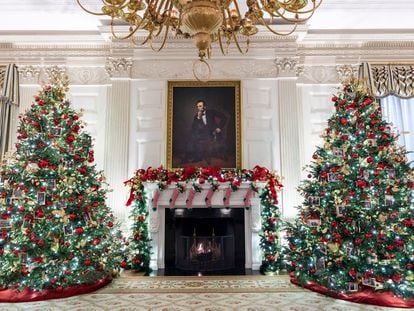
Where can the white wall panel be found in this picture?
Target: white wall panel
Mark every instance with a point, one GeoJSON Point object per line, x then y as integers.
{"type": "Point", "coordinates": [148, 124]}
{"type": "Point", "coordinates": [92, 99]}
{"type": "Point", "coordinates": [260, 124]}
{"type": "Point", "coordinates": [315, 109]}
{"type": "Point", "coordinates": [260, 130]}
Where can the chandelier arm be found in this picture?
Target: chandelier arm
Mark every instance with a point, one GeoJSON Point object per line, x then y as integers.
{"type": "Point", "coordinates": [159, 31]}
{"type": "Point", "coordinates": [277, 13]}
{"type": "Point", "coordinates": [159, 8]}
{"type": "Point", "coordinates": [276, 32]}
{"type": "Point", "coordinates": [233, 34]}
{"type": "Point", "coordinates": [88, 11]}
{"type": "Point", "coordinates": [228, 17]}
{"type": "Point", "coordinates": [163, 41]}
{"type": "Point", "coordinates": [221, 45]}
{"type": "Point", "coordinates": [119, 37]}
{"type": "Point", "coordinates": [148, 38]}
{"type": "Point", "coordinates": [124, 5]}
{"type": "Point", "coordinates": [286, 5]}
{"type": "Point", "coordinates": [237, 7]}
{"type": "Point", "coordinates": [281, 15]}
{"type": "Point", "coordinates": [144, 18]}
{"type": "Point", "coordinates": [167, 27]}
{"type": "Point", "coordinates": [236, 41]}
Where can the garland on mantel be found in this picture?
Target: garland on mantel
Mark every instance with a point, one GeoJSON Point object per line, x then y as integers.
{"type": "Point", "coordinates": [139, 249]}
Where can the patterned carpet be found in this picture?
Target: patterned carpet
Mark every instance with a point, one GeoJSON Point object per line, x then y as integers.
{"type": "Point", "coordinates": [207, 293]}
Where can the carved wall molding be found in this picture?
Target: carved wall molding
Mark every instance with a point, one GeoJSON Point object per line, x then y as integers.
{"type": "Point", "coordinates": [119, 67]}
{"type": "Point", "coordinates": [88, 75]}
{"type": "Point", "coordinates": [220, 69]}
{"type": "Point", "coordinates": [29, 74]}
{"type": "Point", "coordinates": [182, 69]}
{"type": "Point", "coordinates": [299, 70]}
{"type": "Point", "coordinates": [346, 72]}
{"type": "Point", "coordinates": [266, 47]}
{"type": "Point", "coordinates": [50, 71]}
{"type": "Point", "coordinates": [286, 66]}
{"type": "Point", "coordinates": [319, 75]}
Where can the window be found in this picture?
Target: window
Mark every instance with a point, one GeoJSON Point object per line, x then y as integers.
{"type": "Point", "coordinates": [400, 112]}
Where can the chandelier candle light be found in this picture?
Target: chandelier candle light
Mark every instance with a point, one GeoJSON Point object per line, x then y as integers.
{"type": "Point", "coordinates": [205, 21]}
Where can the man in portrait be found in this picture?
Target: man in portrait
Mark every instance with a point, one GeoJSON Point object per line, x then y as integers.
{"type": "Point", "coordinates": [207, 134]}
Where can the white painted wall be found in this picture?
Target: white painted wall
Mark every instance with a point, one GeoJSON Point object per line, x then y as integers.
{"type": "Point", "coordinates": [260, 130]}
{"type": "Point", "coordinates": [92, 99]}
{"type": "Point", "coordinates": [315, 107]}
{"type": "Point", "coordinates": [260, 124]}
{"type": "Point", "coordinates": [147, 124]}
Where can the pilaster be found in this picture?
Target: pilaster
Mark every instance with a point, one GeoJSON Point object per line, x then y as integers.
{"type": "Point", "coordinates": [117, 134]}
{"type": "Point", "coordinates": [289, 134]}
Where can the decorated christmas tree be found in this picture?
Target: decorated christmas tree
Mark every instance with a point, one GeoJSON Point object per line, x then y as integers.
{"type": "Point", "coordinates": [355, 230]}
{"type": "Point", "coordinates": [271, 225]}
{"type": "Point", "coordinates": [138, 253]}
{"type": "Point", "coordinates": [57, 234]}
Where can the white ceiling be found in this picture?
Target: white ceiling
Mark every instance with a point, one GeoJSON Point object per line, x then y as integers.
{"type": "Point", "coordinates": [66, 15]}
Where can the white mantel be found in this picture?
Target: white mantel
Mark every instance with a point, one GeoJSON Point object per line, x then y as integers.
{"type": "Point", "coordinates": [252, 218]}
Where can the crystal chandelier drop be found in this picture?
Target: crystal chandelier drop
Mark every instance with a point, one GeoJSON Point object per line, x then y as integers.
{"type": "Point", "coordinates": [205, 21]}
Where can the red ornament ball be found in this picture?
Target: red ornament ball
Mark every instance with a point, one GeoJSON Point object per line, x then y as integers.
{"type": "Point", "coordinates": [360, 183]}
{"type": "Point", "coordinates": [123, 264]}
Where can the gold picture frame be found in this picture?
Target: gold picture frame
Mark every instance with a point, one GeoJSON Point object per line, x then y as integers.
{"type": "Point", "coordinates": [216, 141]}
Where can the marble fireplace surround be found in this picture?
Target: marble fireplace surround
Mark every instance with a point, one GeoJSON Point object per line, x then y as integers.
{"type": "Point", "coordinates": [252, 218]}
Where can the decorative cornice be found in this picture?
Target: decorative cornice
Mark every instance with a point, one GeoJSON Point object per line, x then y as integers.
{"type": "Point", "coordinates": [346, 72]}
{"type": "Point", "coordinates": [119, 67]}
{"type": "Point", "coordinates": [87, 75]}
{"type": "Point", "coordinates": [51, 71]}
{"type": "Point", "coordinates": [220, 69]}
{"type": "Point", "coordinates": [53, 50]}
{"type": "Point", "coordinates": [264, 46]}
{"type": "Point", "coordinates": [286, 66]}
{"type": "Point", "coordinates": [299, 70]}
{"type": "Point", "coordinates": [319, 75]}
{"type": "Point", "coordinates": [77, 75]}
{"type": "Point", "coordinates": [29, 74]}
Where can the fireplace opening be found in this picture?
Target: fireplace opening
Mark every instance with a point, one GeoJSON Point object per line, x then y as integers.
{"type": "Point", "coordinates": [206, 241]}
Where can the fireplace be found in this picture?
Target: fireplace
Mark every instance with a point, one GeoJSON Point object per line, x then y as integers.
{"type": "Point", "coordinates": [231, 222]}
{"type": "Point", "coordinates": [205, 241]}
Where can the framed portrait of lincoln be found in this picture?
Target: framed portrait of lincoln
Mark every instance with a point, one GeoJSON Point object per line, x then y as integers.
{"type": "Point", "coordinates": [203, 124]}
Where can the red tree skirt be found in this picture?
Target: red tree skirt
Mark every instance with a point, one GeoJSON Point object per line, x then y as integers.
{"type": "Point", "coordinates": [9, 295]}
{"type": "Point", "coordinates": [385, 299]}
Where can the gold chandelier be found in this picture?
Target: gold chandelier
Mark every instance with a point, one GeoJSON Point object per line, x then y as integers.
{"type": "Point", "coordinates": [205, 21]}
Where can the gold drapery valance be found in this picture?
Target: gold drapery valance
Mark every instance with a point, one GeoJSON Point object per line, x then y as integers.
{"type": "Point", "coordinates": [389, 79]}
